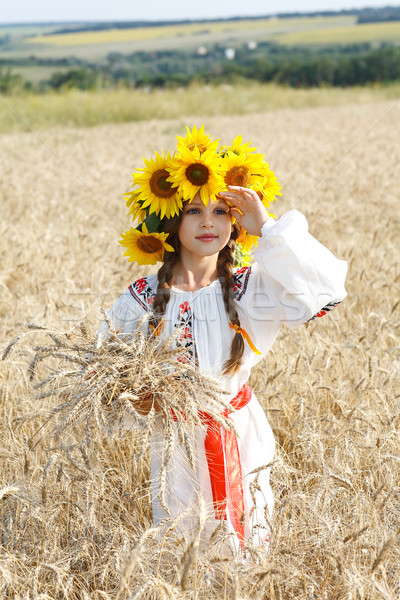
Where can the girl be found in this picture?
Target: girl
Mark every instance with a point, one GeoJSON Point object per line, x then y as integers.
{"type": "Point", "coordinates": [195, 220]}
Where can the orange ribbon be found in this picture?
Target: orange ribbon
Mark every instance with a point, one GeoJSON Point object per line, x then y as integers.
{"type": "Point", "coordinates": [244, 333]}
{"type": "Point", "coordinates": [157, 330]}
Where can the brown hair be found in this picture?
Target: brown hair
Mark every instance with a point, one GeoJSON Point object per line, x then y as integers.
{"type": "Point", "coordinates": [225, 275]}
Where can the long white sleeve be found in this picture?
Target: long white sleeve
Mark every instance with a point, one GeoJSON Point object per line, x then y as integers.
{"type": "Point", "coordinates": [293, 278]}
{"type": "Point", "coordinates": [125, 315]}
{"type": "Point", "coordinates": [308, 275]}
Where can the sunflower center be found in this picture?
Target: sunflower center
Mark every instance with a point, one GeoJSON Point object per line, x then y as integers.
{"type": "Point", "coordinates": [149, 244]}
{"type": "Point", "coordinates": [237, 176]}
{"type": "Point", "coordinates": [197, 174]}
{"type": "Point", "coordinates": [160, 186]}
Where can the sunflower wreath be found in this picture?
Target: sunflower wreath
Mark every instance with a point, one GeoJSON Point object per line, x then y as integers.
{"type": "Point", "coordinates": [198, 165]}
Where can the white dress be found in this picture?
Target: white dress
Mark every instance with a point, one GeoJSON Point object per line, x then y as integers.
{"type": "Point", "coordinates": [293, 279]}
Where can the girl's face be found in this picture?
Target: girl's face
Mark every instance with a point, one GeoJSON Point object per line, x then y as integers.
{"type": "Point", "coordinates": [204, 230]}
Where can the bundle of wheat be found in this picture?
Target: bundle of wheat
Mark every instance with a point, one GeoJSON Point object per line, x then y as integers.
{"type": "Point", "coordinates": [124, 382]}
{"type": "Point", "coordinates": [127, 382]}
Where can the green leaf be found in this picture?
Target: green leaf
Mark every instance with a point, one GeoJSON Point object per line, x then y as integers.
{"type": "Point", "coordinates": [153, 223]}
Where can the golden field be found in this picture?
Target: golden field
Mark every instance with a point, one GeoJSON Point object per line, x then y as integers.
{"type": "Point", "coordinates": [76, 521]}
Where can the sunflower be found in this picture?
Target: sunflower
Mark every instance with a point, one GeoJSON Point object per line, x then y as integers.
{"type": "Point", "coordinates": [192, 172]}
{"type": "Point", "coordinates": [135, 206]}
{"type": "Point", "coordinates": [246, 240]}
{"type": "Point", "coordinates": [268, 187]}
{"type": "Point", "coordinates": [143, 247]}
{"type": "Point", "coordinates": [155, 190]}
{"type": "Point", "coordinates": [237, 172]}
{"type": "Point", "coordinates": [237, 147]}
{"type": "Point", "coordinates": [243, 169]}
{"type": "Point", "coordinates": [196, 139]}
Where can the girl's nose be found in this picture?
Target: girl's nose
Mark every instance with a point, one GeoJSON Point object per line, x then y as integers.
{"type": "Point", "coordinates": [207, 220]}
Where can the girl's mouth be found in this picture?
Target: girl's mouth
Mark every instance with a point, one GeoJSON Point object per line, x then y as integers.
{"type": "Point", "coordinates": [207, 237]}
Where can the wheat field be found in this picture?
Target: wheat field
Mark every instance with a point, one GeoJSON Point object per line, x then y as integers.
{"type": "Point", "coordinates": [76, 520]}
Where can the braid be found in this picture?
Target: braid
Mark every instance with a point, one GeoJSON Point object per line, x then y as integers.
{"type": "Point", "coordinates": [164, 287]}
{"type": "Point", "coordinates": [164, 274]}
{"type": "Point", "coordinates": [225, 274]}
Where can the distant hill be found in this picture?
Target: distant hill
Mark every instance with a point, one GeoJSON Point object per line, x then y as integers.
{"type": "Point", "coordinates": [338, 48]}
{"type": "Point", "coordinates": [364, 15]}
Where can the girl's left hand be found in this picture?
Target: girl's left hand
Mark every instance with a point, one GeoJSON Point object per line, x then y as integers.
{"type": "Point", "coordinates": [145, 403]}
{"type": "Point", "coordinates": [247, 208]}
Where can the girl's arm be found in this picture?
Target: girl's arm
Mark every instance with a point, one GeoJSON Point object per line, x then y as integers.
{"type": "Point", "coordinates": [309, 276]}
{"type": "Point", "coordinates": [125, 317]}
{"type": "Point", "coordinates": [295, 276]}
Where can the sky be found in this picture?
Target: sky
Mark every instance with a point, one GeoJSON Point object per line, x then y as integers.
{"type": "Point", "coordinates": [22, 11]}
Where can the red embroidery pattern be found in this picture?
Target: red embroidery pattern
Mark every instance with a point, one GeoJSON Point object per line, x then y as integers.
{"type": "Point", "coordinates": [184, 308]}
{"type": "Point", "coordinates": [143, 293]}
{"type": "Point", "coordinates": [240, 281]}
{"type": "Point", "coordinates": [141, 284]}
{"type": "Point", "coordinates": [325, 310]}
{"type": "Point", "coordinates": [185, 340]}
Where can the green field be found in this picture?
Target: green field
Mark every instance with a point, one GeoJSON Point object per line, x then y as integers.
{"type": "Point", "coordinates": [352, 34]}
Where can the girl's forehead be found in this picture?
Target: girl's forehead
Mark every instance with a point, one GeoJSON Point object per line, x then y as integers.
{"type": "Point", "coordinates": [197, 201]}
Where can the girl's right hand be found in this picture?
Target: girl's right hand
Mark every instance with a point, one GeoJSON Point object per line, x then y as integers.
{"type": "Point", "coordinates": [247, 208]}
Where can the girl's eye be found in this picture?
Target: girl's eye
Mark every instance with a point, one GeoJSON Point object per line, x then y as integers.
{"type": "Point", "coordinates": [196, 211]}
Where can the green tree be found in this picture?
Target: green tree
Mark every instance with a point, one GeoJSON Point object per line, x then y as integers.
{"type": "Point", "coordinates": [10, 82]}
{"type": "Point", "coordinates": [82, 78]}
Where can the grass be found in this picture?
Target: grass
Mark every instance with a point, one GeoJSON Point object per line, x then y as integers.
{"type": "Point", "coordinates": [79, 109]}
{"type": "Point", "coordinates": [353, 34]}
{"type": "Point", "coordinates": [76, 519]}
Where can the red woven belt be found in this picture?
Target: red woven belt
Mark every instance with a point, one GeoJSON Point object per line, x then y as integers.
{"type": "Point", "coordinates": [222, 453]}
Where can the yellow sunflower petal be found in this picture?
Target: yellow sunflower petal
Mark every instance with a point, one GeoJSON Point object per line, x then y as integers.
{"type": "Point", "coordinates": [246, 241]}
{"type": "Point", "coordinates": [238, 147]}
{"type": "Point", "coordinates": [197, 139]}
{"type": "Point", "coordinates": [267, 187]}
